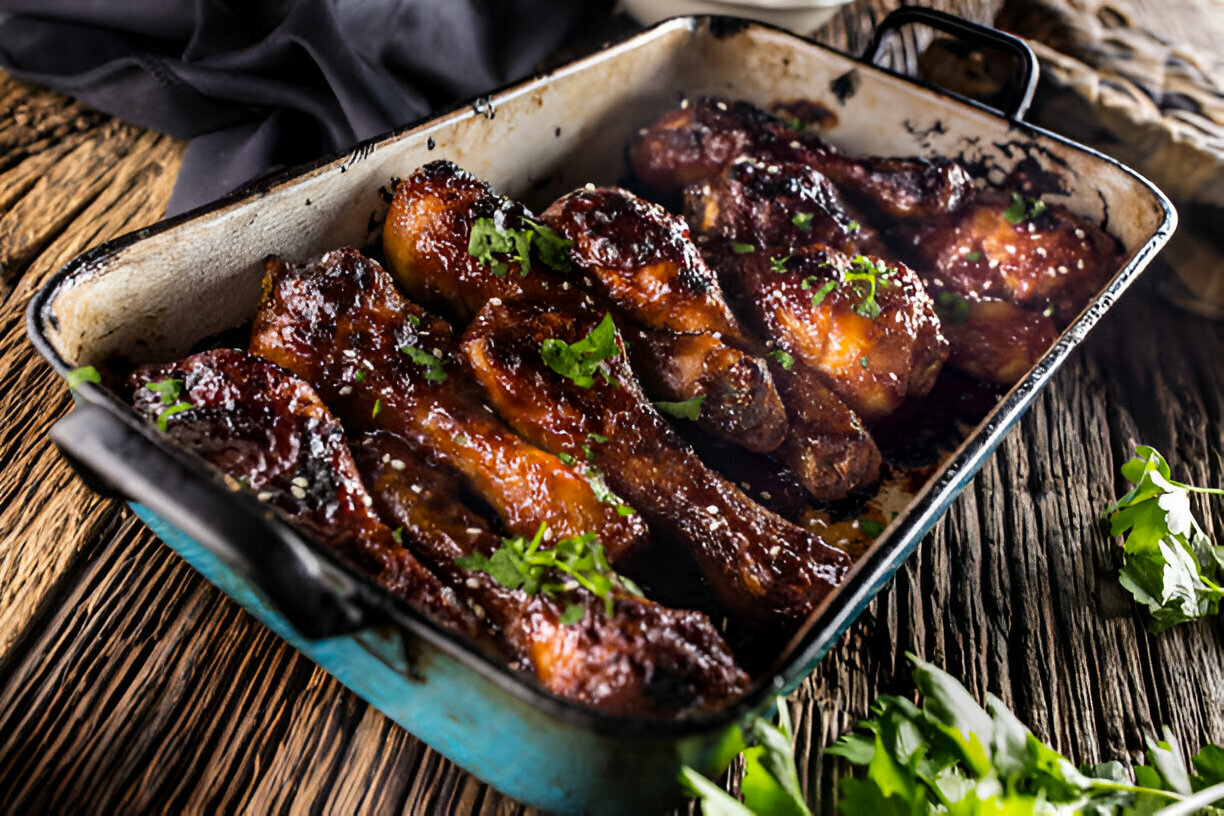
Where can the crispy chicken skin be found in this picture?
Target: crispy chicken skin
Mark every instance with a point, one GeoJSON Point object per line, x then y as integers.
{"type": "Point", "coordinates": [993, 340]}
{"type": "Point", "coordinates": [632, 253]}
{"type": "Point", "coordinates": [759, 566]}
{"type": "Point", "coordinates": [762, 206]}
{"type": "Point", "coordinates": [644, 660]}
{"type": "Point", "coordinates": [1007, 247]}
{"type": "Point", "coordinates": [696, 142]}
{"type": "Point", "coordinates": [866, 326]}
{"type": "Point", "coordinates": [382, 363]}
{"type": "Point", "coordinates": [259, 424]}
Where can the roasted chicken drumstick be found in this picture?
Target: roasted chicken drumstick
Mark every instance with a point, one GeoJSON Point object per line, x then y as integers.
{"type": "Point", "coordinates": [561, 378]}
{"type": "Point", "coordinates": [642, 659]}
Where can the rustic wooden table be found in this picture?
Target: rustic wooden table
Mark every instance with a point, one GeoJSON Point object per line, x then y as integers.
{"type": "Point", "coordinates": [127, 683]}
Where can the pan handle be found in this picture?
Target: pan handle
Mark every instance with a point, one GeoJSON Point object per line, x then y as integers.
{"type": "Point", "coordinates": [1023, 83]}
{"type": "Point", "coordinates": [119, 457]}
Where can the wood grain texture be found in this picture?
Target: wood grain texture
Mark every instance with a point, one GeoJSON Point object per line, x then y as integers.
{"type": "Point", "coordinates": [128, 684]}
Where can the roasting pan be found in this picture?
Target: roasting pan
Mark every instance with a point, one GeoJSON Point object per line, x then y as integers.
{"type": "Point", "coordinates": [155, 293]}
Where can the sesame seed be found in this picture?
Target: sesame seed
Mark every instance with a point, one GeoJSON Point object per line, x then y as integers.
{"type": "Point", "coordinates": [774, 550]}
{"type": "Point", "coordinates": [368, 364]}
{"type": "Point", "coordinates": [349, 353]}
{"type": "Point", "coordinates": [1062, 270]}
{"type": "Point", "coordinates": [416, 488]}
{"type": "Point", "coordinates": [1079, 264]}
{"type": "Point", "coordinates": [300, 481]}
{"type": "Point", "coordinates": [766, 495]}
{"type": "Point", "coordinates": [548, 534]}
{"type": "Point", "coordinates": [367, 500]}
{"type": "Point", "coordinates": [473, 531]}
{"type": "Point", "coordinates": [712, 509]}
{"type": "Point", "coordinates": [264, 495]}
{"type": "Point", "coordinates": [345, 390]}
{"type": "Point", "coordinates": [722, 106]}
{"type": "Point", "coordinates": [386, 458]}
{"type": "Point", "coordinates": [398, 464]}
{"type": "Point", "coordinates": [473, 583]}
{"type": "Point", "coordinates": [437, 352]}
{"type": "Point", "coordinates": [1079, 233]}
{"type": "Point", "coordinates": [478, 609]}
{"type": "Point", "coordinates": [297, 492]}
{"type": "Point", "coordinates": [495, 301]}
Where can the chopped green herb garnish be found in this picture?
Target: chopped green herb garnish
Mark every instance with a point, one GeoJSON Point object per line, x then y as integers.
{"type": "Point", "coordinates": [377, 408]}
{"type": "Point", "coordinates": [973, 256]}
{"type": "Point", "coordinates": [433, 365]}
{"type": "Point", "coordinates": [869, 274]}
{"type": "Point", "coordinates": [587, 452]}
{"type": "Point", "coordinates": [684, 409]}
{"type": "Point", "coordinates": [580, 361]}
{"type": "Point", "coordinates": [853, 226]}
{"type": "Point", "coordinates": [398, 535]}
{"type": "Point", "coordinates": [871, 527]}
{"type": "Point", "coordinates": [83, 374]}
{"type": "Point", "coordinates": [1023, 209]}
{"type": "Point", "coordinates": [169, 391]}
{"type": "Point", "coordinates": [597, 438]}
{"type": "Point", "coordinates": [952, 308]}
{"type": "Point", "coordinates": [359, 376]}
{"type": "Point", "coordinates": [566, 458]}
{"type": "Point", "coordinates": [803, 221]}
{"type": "Point", "coordinates": [795, 125]}
{"type": "Point", "coordinates": [783, 359]}
{"type": "Point", "coordinates": [488, 239]}
{"type": "Point", "coordinates": [460, 439]}
{"type": "Point", "coordinates": [414, 320]}
{"type": "Point", "coordinates": [863, 361]}
{"type": "Point", "coordinates": [823, 292]}
{"type": "Point", "coordinates": [777, 264]}
{"type": "Point", "coordinates": [742, 249]}
{"type": "Point", "coordinates": [625, 510]}
{"type": "Point", "coordinates": [573, 562]}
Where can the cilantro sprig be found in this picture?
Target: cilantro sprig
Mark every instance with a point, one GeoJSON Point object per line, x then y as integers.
{"type": "Point", "coordinates": [488, 239]}
{"type": "Point", "coordinates": [950, 755]}
{"type": "Point", "coordinates": [170, 392]}
{"type": "Point", "coordinates": [577, 561]}
{"type": "Point", "coordinates": [1169, 564]}
{"type": "Point", "coordinates": [1023, 209]}
{"type": "Point", "coordinates": [867, 276]}
{"type": "Point", "coordinates": [581, 360]}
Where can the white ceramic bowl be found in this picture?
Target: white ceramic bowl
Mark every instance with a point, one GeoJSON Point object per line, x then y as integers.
{"type": "Point", "coordinates": [800, 16]}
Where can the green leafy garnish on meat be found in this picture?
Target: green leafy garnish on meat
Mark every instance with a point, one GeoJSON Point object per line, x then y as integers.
{"type": "Point", "coordinates": [684, 409]}
{"type": "Point", "coordinates": [1168, 564]}
{"type": "Point", "coordinates": [488, 240]}
{"type": "Point", "coordinates": [742, 249]}
{"type": "Point", "coordinates": [803, 221]}
{"type": "Point", "coordinates": [170, 392]}
{"type": "Point", "coordinates": [783, 359]}
{"type": "Point", "coordinates": [1023, 209]}
{"type": "Point", "coordinates": [432, 363]}
{"type": "Point", "coordinates": [581, 360]}
{"type": "Point", "coordinates": [83, 374]}
{"type": "Point", "coordinates": [577, 561]}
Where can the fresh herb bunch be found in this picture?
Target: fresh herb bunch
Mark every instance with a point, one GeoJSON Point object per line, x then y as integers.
{"type": "Point", "coordinates": [170, 391]}
{"type": "Point", "coordinates": [771, 782]}
{"type": "Point", "coordinates": [1023, 209]}
{"type": "Point", "coordinates": [488, 239]}
{"type": "Point", "coordinates": [577, 561]}
{"type": "Point", "coordinates": [952, 756]}
{"type": "Point", "coordinates": [579, 361]}
{"type": "Point", "coordinates": [1169, 564]}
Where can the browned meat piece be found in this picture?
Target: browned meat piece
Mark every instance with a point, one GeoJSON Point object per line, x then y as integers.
{"type": "Point", "coordinates": [760, 207]}
{"type": "Point", "coordinates": [267, 429]}
{"type": "Point", "coordinates": [427, 240]}
{"type": "Point", "coordinates": [642, 260]}
{"type": "Point", "coordinates": [696, 142]}
{"type": "Point", "coordinates": [738, 401]}
{"type": "Point", "coordinates": [643, 660]}
{"type": "Point", "coordinates": [993, 340]}
{"type": "Point", "coordinates": [381, 362]}
{"type": "Point", "coordinates": [827, 449]}
{"type": "Point", "coordinates": [759, 566]}
{"type": "Point", "coordinates": [1008, 247]}
{"type": "Point", "coordinates": [866, 326]}
{"type": "Point", "coordinates": [656, 278]}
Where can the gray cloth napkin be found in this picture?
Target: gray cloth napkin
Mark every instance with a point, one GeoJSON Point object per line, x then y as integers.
{"type": "Point", "coordinates": [257, 86]}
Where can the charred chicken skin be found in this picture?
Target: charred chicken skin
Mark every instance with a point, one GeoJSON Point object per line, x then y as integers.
{"type": "Point", "coordinates": [759, 566]}
{"type": "Point", "coordinates": [381, 362]}
{"type": "Point", "coordinates": [264, 427]}
{"type": "Point", "coordinates": [654, 277]}
{"type": "Point", "coordinates": [696, 142]}
{"type": "Point", "coordinates": [1006, 246]}
{"type": "Point", "coordinates": [643, 659]}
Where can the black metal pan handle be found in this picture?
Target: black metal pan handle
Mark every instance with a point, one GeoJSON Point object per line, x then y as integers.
{"type": "Point", "coordinates": [118, 456]}
{"type": "Point", "coordinates": [1023, 83]}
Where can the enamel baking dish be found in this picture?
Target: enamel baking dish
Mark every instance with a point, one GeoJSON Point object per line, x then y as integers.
{"type": "Point", "coordinates": [154, 294]}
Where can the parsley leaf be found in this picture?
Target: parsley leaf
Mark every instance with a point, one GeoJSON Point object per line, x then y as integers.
{"type": "Point", "coordinates": [577, 561]}
{"type": "Point", "coordinates": [783, 359]}
{"type": "Point", "coordinates": [867, 274]}
{"type": "Point", "coordinates": [487, 239]}
{"type": "Point", "coordinates": [169, 391]}
{"type": "Point", "coordinates": [803, 221]}
{"type": "Point", "coordinates": [685, 409]}
{"type": "Point", "coordinates": [742, 249]}
{"type": "Point", "coordinates": [433, 364]}
{"type": "Point", "coordinates": [83, 374]}
{"type": "Point", "coordinates": [777, 264]}
{"type": "Point", "coordinates": [853, 226]}
{"type": "Point", "coordinates": [1169, 564]}
{"type": "Point", "coordinates": [951, 755]}
{"type": "Point", "coordinates": [580, 360]}
{"type": "Point", "coordinates": [1023, 209]}
{"type": "Point", "coordinates": [820, 294]}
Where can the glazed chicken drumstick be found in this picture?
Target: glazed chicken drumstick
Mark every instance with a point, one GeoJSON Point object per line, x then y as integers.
{"type": "Point", "coordinates": [559, 375]}
{"type": "Point", "coordinates": [262, 426]}
{"type": "Point", "coordinates": [641, 659]}
{"type": "Point", "coordinates": [444, 225]}
{"type": "Point", "coordinates": [380, 362]}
